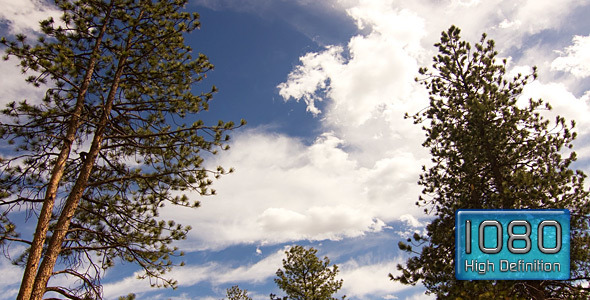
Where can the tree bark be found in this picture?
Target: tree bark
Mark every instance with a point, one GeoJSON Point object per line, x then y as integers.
{"type": "Point", "coordinates": [57, 173]}
{"type": "Point", "coordinates": [63, 223]}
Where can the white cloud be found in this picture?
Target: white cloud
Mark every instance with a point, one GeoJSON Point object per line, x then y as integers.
{"type": "Point", "coordinates": [534, 16]}
{"type": "Point", "coordinates": [411, 221]}
{"type": "Point", "coordinates": [23, 16]}
{"type": "Point", "coordinates": [14, 87]}
{"type": "Point", "coordinates": [283, 191]}
{"type": "Point", "coordinates": [377, 80]}
{"type": "Point", "coordinates": [311, 75]}
{"type": "Point", "coordinates": [508, 22]}
{"type": "Point", "coordinates": [563, 102]}
{"type": "Point", "coordinates": [361, 172]}
{"type": "Point", "coordinates": [369, 93]}
{"type": "Point", "coordinates": [576, 58]}
{"type": "Point", "coordinates": [371, 281]}
{"type": "Point", "coordinates": [256, 273]}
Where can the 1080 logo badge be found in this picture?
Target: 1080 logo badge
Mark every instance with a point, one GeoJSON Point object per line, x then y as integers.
{"type": "Point", "coordinates": [512, 244]}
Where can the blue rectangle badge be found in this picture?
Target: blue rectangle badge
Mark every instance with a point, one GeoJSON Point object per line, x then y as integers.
{"type": "Point", "coordinates": [517, 244]}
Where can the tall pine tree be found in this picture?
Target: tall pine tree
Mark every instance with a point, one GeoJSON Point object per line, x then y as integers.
{"type": "Point", "coordinates": [488, 152]}
{"type": "Point", "coordinates": [113, 140]}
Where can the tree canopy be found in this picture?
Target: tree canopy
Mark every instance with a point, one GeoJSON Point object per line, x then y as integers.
{"type": "Point", "coordinates": [490, 151]}
{"type": "Point", "coordinates": [114, 139]}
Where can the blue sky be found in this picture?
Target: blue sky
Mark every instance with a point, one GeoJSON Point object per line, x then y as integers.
{"type": "Point", "coordinates": [327, 159]}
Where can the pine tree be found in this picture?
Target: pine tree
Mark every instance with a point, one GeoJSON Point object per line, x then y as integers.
{"type": "Point", "coordinates": [306, 277]}
{"type": "Point", "coordinates": [114, 139]}
{"type": "Point", "coordinates": [235, 293]}
{"type": "Point", "coordinates": [488, 152]}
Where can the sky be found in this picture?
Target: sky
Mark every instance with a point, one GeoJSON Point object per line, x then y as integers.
{"type": "Point", "coordinates": [327, 159]}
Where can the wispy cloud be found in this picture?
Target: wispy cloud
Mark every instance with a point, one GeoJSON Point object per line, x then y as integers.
{"type": "Point", "coordinates": [323, 22]}
{"type": "Point", "coordinates": [363, 279]}
{"type": "Point", "coordinates": [214, 273]}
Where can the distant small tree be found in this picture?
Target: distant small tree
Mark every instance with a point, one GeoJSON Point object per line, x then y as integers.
{"type": "Point", "coordinates": [235, 293]}
{"type": "Point", "coordinates": [306, 277]}
{"type": "Point", "coordinates": [128, 297]}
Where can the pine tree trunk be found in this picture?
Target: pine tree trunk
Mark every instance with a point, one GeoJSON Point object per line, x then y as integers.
{"type": "Point", "coordinates": [63, 223]}
{"type": "Point", "coordinates": [58, 170]}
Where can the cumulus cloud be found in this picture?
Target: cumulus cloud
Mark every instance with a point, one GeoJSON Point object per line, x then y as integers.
{"type": "Point", "coordinates": [312, 75]}
{"type": "Point", "coordinates": [504, 19]}
{"type": "Point", "coordinates": [575, 58]}
{"type": "Point", "coordinates": [284, 190]}
{"type": "Point", "coordinates": [360, 173]}
{"type": "Point", "coordinates": [368, 93]}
